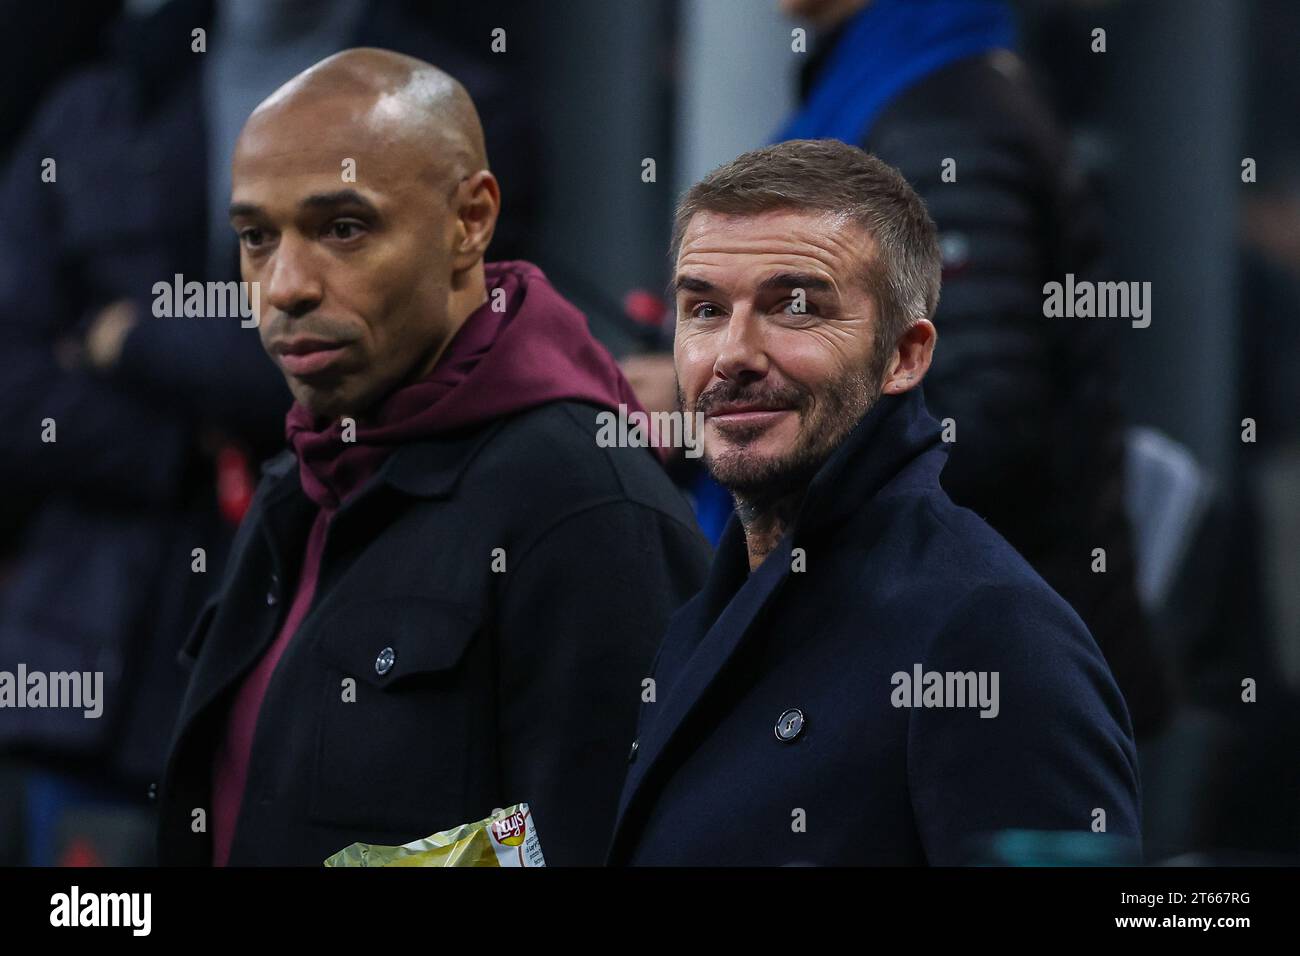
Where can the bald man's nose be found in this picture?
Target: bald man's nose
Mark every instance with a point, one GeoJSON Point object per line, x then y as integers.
{"type": "Point", "coordinates": [291, 284]}
{"type": "Point", "coordinates": [742, 354]}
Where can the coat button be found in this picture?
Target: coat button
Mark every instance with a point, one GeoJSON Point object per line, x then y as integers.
{"type": "Point", "coordinates": [153, 792]}
{"type": "Point", "coordinates": [631, 754]}
{"type": "Point", "coordinates": [385, 661]}
{"type": "Point", "coordinates": [789, 725]}
{"type": "Point", "coordinates": [272, 599]}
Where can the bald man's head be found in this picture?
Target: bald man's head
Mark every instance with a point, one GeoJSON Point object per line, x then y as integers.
{"type": "Point", "coordinates": [392, 96]}
{"type": "Point", "coordinates": [363, 203]}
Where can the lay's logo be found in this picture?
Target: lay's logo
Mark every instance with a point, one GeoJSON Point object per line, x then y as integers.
{"type": "Point", "coordinates": [510, 831]}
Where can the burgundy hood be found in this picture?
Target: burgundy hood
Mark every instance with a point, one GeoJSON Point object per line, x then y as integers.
{"type": "Point", "coordinates": [537, 350]}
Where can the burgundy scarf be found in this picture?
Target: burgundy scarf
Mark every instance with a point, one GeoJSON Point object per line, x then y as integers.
{"type": "Point", "coordinates": [537, 350]}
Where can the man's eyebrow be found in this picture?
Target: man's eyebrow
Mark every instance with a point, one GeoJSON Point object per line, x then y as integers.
{"type": "Point", "coordinates": [795, 280]}
{"type": "Point", "coordinates": [684, 283]}
{"type": "Point", "coordinates": [342, 197]}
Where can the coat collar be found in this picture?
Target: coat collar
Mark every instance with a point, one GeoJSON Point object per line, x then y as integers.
{"type": "Point", "coordinates": [706, 633]}
{"type": "Point", "coordinates": [427, 469]}
{"type": "Point", "coordinates": [430, 468]}
{"type": "Point", "coordinates": [897, 430]}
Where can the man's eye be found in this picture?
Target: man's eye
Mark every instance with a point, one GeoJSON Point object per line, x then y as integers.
{"type": "Point", "coordinates": [799, 307]}
{"type": "Point", "coordinates": [251, 237]}
{"type": "Point", "coordinates": [344, 229]}
{"type": "Point", "coordinates": [705, 310]}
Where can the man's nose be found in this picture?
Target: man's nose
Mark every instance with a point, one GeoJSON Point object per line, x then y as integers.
{"type": "Point", "coordinates": [742, 356]}
{"type": "Point", "coordinates": [292, 284]}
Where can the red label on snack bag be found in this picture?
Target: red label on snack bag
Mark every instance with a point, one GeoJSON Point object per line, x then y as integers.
{"type": "Point", "coordinates": [510, 831]}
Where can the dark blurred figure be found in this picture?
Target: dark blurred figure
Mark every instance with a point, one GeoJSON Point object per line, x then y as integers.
{"type": "Point", "coordinates": [1039, 448]}
{"type": "Point", "coordinates": [40, 45]}
{"type": "Point", "coordinates": [159, 421]}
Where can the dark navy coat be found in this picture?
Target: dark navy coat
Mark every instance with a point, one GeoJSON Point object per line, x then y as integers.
{"type": "Point", "coordinates": [893, 575]}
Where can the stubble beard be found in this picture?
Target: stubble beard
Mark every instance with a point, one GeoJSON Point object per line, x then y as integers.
{"type": "Point", "coordinates": [769, 491]}
{"type": "Point", "coordinates": [758, 481]}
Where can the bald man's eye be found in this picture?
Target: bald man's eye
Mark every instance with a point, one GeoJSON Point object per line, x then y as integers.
{"type": "Point", "coordinates": [345, 230]}
{"type": "Point", "coordinates": [252, 237]}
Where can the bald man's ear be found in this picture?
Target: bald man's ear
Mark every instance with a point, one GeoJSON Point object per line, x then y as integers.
{"type": "Point", "coordinates": [478, 202]}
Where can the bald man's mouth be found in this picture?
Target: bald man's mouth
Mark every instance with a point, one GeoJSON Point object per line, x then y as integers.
{"type": "Point", "coordinates": [305, 355]}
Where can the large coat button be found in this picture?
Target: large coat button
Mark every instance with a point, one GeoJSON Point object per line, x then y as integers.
{"type": "Point", "coordinates": [789, 725]}
{"type": "Point", "coordinates": [385, 661]}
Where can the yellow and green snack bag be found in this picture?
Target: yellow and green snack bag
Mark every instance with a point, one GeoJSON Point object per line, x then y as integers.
{"type": "Point", "coordinates": [507, 838]}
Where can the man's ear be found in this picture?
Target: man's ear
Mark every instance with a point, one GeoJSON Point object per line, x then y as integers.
{"type": "Point", "coordinates": [911, 358]}
{"type": "Point", "coordinates": [478, 203]}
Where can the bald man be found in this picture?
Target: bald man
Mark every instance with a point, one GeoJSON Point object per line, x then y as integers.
{"type": "Point", "coordinates": [446, 593]}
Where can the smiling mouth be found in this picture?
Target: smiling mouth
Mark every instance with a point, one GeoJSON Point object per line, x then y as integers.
{"type": "Point", "coordinates": [747, 416]}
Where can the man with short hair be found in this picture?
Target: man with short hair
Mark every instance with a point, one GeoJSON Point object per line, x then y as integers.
{"type": "Point", "coordinates": [871, 675]}
{"type": "Point", "coordinates": [445, 598]}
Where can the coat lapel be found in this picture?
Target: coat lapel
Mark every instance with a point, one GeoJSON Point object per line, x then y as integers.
{"type": "Point", "coordinates": [282, 519]}
{"type": "Point", "coordinates": [707, 632]}
{"type": "Point", "coordinates": [691, 664]}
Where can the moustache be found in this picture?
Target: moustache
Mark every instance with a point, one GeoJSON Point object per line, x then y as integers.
{"type": "Point", "coordinates": [281, 326]}
{"type": "Point", "coordinates": [729, 393]}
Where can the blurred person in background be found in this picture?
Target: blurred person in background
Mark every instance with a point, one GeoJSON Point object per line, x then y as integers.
{"type": "Point", "coordinates": [42, 44]}
{"type": "Point", "coordinates": [159, 421]}
{"type": "Point", "coordinates": [1039, 438]}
